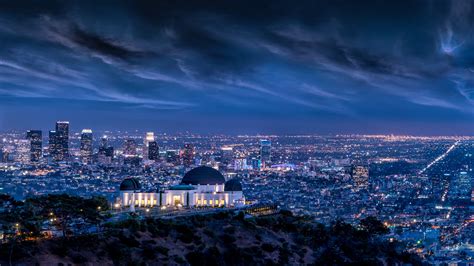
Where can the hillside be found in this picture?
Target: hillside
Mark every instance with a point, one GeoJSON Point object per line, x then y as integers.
{"type": "Point", "coordinates": [222, 238]}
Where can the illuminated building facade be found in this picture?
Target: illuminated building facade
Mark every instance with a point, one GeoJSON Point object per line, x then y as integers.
{"type": "Point", "coordinates": [187, 155]}
{"type": "Point", "coordinates": [227, 155]}
{"type": "Point", "coordinates": [149, 137]}
{"type": "Point", "coordinates": [23, 148]}
{"type": "Point", "coordinates": [130, 148]}
{"type": "Point", "coordinates": [201, 187]}
{"type": "Point", "coordinates": [62, 140]}
{"type": "Point", "coordinates": [36, 144]}
{"type": "Point", "coordinates": [53, 151]}
{"type": "Point", "coordinates": [59, 141]}
{"type": "Point", "coordinates": [265, 152]}
{"type": "Point", "coordinates": [106, 152]}
{"type": "Point", "coordinates": [86, 146]}
{"type": "Point", "coordinates": [153, 151]}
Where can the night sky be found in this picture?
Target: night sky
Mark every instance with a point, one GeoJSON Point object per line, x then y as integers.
{"type": "Point", "coordinates": [239, 66]}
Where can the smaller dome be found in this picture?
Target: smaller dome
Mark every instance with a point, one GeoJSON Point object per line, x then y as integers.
{"type": "Point", "coordinates": [130, 184]}
{"type": "Point", "coordinates": [233, 185]}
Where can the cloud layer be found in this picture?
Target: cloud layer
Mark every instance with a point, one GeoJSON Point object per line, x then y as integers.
{"type": "Point", "coordinates": [320, 61]}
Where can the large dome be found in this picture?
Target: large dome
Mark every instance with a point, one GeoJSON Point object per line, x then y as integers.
{"type": "Point", "coordinates": [203, 175]}
{"type": "Point", "coordinates": [130, 184]}
{"type": "Point", "coordinates": [233, 185]}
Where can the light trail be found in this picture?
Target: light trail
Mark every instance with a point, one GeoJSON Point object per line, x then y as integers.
{"type": "Point", "coordinates": [439, 158]}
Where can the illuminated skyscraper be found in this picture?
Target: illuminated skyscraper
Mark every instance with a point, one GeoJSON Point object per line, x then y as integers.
{"type": "Point", "coordinates": [23, 148]}
{"type": "Point", "coordinates": [265, 152]}
{"type": "Point", "coordinates": [62, 140]}
{"type": "Point", "coordinates": [153, 151]}
{"type": "Point", "coordinates": [86, 146]}
{"type": "Point", "coordinates": [187, 155]}
{"type": "Point", "coordinates": [360, 176]}
{"type": "Point", "coordinates": [106, 152]}
{"type": "Point", "coordinates": [463, 185]}
{"type": "Point", "coordinates": [52, 146]}
{"type": "Point", "coordinates": [104, 142]}
{"type": "Point", "coordinates": [36, 144]}
{"type": "Point", "coordinates": [255, 163]}
{"type": "Point", "coordinates": [227, 155]}
{"type": "Point", "coordinates": [130, 148]}
{"type": "Point", "coordinates": [149, 137]}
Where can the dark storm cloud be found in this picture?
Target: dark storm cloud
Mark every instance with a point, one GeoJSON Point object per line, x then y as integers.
{"type": "Point", "coordinates": [101, 45]}
{"type": "Point", "coordinates": [318, 59]}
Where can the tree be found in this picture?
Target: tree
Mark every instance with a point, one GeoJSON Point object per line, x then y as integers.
{"type": "Point", "coordinates": [373, 226]}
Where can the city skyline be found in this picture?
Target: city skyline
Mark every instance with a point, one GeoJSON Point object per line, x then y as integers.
{"type": "Point", "coordinates": [417, 189]}
{"type": "Point", "coordinates": [272, 68]}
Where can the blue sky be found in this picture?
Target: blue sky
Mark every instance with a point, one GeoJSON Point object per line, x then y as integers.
{"type": "Point", "coordinates": [403, 67]}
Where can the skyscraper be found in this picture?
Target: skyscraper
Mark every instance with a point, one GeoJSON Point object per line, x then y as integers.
{"type": "Point", "coordinates": [227, 155]}
{"type": "Point", "coordinates": [104, 142]}
{"type": "Point", "coordinates": [52, 145]}
{"type": "Point", "coordinates": [463, 185]}
{"type": "Point", "coordinates": [149, 137]}
{"type": "Point", "coordinates": [130, 148]}
{"type": "Point", "coordinates": [86, 146]}
{"type": "Point", "coordinates": [106, 152]}
{"type": "Point", "coordinates": [62, 140]}
{"type": "Point", "coordinates": [153, 151]}
{"type": "Point", "coordinates": [265, 152]}
{"type": "Point", "coordinates": [23, 151]}
{"type": "Point", "coordinates": [187, 155]}
{"type": "Point", "coordinates": [36, 144]}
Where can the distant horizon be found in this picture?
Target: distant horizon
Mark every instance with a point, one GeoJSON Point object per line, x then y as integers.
{"type": "Point", "coordinates": [77, 129]}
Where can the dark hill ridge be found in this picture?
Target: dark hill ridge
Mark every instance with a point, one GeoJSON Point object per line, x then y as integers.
{"type": "Point", "coordinates": [222, 238]}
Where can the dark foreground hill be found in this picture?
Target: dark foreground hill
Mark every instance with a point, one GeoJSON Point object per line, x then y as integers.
{"type": "Point", "coordinates": [223, 238]}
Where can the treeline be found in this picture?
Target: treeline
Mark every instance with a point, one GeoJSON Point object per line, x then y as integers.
{"type": "Point", "coordinates": [27, 219]}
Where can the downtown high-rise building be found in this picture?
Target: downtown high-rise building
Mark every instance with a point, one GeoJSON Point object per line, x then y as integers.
{"type": "Point", "coordinates": [153, 151]}
{"type": "Point", "coordinates": [59, 141]}
{"type": "Point", "coordinates": [35, 137]}
{"type": "Point", "coordinates": [187, 155]}
{"type": "Point", "coordinates": [22, 154]}
{"type": "Point", "coordinates": [130, 154]}
{"type": "Point", "coordinates": [52, 143]}
{"type": "Point", "coordinates": [130, 148]}
{"type": "Point", "coordinates": [227, 155]}
{"type": "Point", "coordinates": [86, 146]}
{"type": "Point", "coordinates": [106, 152]}
{"type": "Point", "coordinates": [265, 152]}
{"type": "Point", "coordinates": [149, 137]}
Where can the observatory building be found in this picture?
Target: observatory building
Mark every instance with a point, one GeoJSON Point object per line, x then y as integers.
{"type": "Point", "coordinates": [200, 187]}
